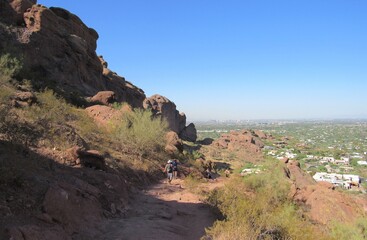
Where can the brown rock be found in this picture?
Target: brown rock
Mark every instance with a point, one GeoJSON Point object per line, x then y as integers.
{"type": "Point", "coordinates": [92, 159]}
{"type": "Point", "coordinates": [72, 207]}
{"type": "Point", "coordinates": [173, 143]}
{"type": "Point", "coordinates": [104, 98]}
{"type": "Point", "coordinates": [23, 99]}
{"type": "Point", "coordinates": [285, 160]}
{"type": "Point", "coordinates": [260, 134]}
{"type": "Point", "coordinates": [12, 11]}
{"type": "Point", "coordinates": [102, 114]}
{"type": "Point", "coordinates": [164, 107]}
{"type": "Point", "coordinates": [189, 133]}
{"type": "Point", "coordinates": [206, 141]}
{"type": "Point", "coordinates": [33, 232]}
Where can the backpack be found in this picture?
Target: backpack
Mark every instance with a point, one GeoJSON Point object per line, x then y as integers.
{"type": "Point", "coordinates": [169, 168]}
{"type": "Point", "coordinates": [174, 165]}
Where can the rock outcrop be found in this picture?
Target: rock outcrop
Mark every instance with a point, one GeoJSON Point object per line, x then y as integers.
{"type": "Point", "coordinates": [104, 98]}
{"type": "Point", "coordinates": [173, 142]}
{"type": "Point", "coordinates": [162, 106]}
{"type": "Point", "coordinates": [320, 201]}
{"type": "Point", "coordinates": [124, 90]}
{"type": "Point", "coordinates": [237, 140]}
{"type": "Point", "coordinates": [87, 158]}
{"type": "Point", "coordinates": [189, 133]}
{"type": "Point", "coordinates": [59, 52]}
{"type": "Point", "coordinates": [23, 99]}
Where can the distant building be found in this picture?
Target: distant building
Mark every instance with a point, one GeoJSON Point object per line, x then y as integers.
{"type": "Point", "coordinates": [342, 180]}
{"type": "Point", "coordinates": [362, 162]}
{"type": "Point", "coordinates": [343, 160]}
{"type": "Point", "coordinates": [327, 160]}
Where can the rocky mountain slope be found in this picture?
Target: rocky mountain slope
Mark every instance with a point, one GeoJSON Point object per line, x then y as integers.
{"type": "Point", "coordinates": [58, 51]}
{"type": "Point", "coordinates": [54, 183]}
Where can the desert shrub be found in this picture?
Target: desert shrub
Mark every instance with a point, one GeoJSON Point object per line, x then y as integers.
{"type": "Point", "coordinates": [15, 129]}
{"type": "Point", "coordinates": [51, 109]}
{"type": "Point", "coordinates": [10, 66]}
{"type": "Point", "coordinates": [258, 207]}
{"type": "Point", "coordinates": [356, 230]}
{"type": "Point", "coordinates": [86, 126]}
{"type": "Point", "coordinates": [5, 93]}
{"type": "Point", "coordinates": [52, 116]}
{"type": "Point", "coordinates": [142, 132]}
{"type": "Point", "coordinates": [192, 182]}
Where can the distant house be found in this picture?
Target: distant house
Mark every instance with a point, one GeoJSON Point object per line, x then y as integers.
{"type": "Point", "coordinates": [343, 160]}
{"type": "Point", "coordinates": [337, 179]}
{"type": "Point", "coordinates": [248, 171]}
{"type": "Point", "coordinates": [327, 160]}
{"type": "Point", "coordinates": [362, 163]}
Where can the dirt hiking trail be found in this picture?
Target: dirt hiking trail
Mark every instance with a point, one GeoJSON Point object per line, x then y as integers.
{"type": "Point", "coordinates": [163, 211]}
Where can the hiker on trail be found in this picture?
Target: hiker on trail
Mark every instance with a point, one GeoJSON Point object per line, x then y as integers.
{"type": "Point", "coordinates": [208, 174]}
{"type": "Point", "coordinates": [210, 166]}
{"type": "Point", "coordinates": [169, 169]}
{"type": "Point", "coordinates": [227, 172]}
{"type": "Point", "coordinates": [175, 163]}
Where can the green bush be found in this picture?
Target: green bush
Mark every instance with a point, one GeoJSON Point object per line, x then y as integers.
{"type": "Point", "coordinates": [258, 207]}
{"type": "Point", "coordinates": [140, 130]}
{"type": "Point", "coordinates": [51, 109]}
{"type": "Point", "coordinates": [10, 66]}
{"type": "Point", "coordinates": [355, 231]}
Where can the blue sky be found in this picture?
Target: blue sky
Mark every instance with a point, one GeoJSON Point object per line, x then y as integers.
{"type": "Point", "coordinates": [259, 59]}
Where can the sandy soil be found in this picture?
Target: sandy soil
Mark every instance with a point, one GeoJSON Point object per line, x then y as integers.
{"type": "Point", "coordinates": [163, 211]}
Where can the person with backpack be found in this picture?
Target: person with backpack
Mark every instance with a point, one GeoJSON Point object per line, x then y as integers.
{"type": "Point", "coordinates": [169, 169]}
{"type": "Point", "coordinates": [175, 163]}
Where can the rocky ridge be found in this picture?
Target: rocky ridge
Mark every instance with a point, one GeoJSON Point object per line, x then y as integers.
{"type": "Point", "coordinates": [55, 194]}
{"type": "Point", "coordinates": [67, 61]}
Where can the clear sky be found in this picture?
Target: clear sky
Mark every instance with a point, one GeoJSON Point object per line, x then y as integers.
{"type": "Point", "coordinates": [238, 59]}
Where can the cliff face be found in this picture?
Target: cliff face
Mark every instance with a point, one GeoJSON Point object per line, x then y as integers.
{"type": "Point", "coordinates": [64, 194]}
{"type": "Point", "coordinates": [59, 52]}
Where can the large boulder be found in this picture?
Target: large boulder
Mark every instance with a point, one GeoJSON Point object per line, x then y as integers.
{"type": "Point", "coordinates": [240, 140]}
{"type": "Point", "coordinates": [163, 107]}
{"type": "Point", "coordinates": [23, 99]}
{"type": "Point", "coordinates": [12, 11]}
{"type": "Point", "coordinates": [104, 98]}
{"type": "Point", "coordinates": [173, 143]}
{"type": "Point", "coordinates": [242, 144]}
{"type": "Point", "coordinates": [59, 52]}
{"type": "Point", "coordinates": [189, 133]}
{"type": "Point", "coordinates": [87, 158]}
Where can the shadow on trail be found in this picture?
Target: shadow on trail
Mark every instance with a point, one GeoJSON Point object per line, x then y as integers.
{"type": "Point", "coordinates": [162, 212]}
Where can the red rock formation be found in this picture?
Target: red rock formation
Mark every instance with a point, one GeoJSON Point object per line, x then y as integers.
{"type": "Point", "coordinates": [104, 98]}
{"type": "Point", "coordinates": [90, 158]}
{"type": "Point", "coordinates": [189, 133]}
{"type": "Point", "coordinates": [237, 140]}
{"type": "Point", "coordinates": [59, 52]}
{"type": "Point", "coordinates": [23, 99]}
{"type": "Point", "coordinates": [322, 203]}
{"type": "Point", "coordinates": [173, 143]}
{"type": "Point", "coordinates": [162, 106]}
